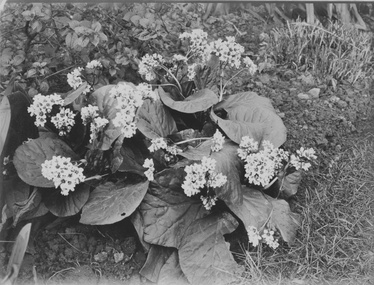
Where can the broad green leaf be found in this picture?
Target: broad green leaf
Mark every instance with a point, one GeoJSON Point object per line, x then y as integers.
{"type": "Point", "coordinates": [255, 209]}
{"type": "Point", "coordinates": [132, 160]}
{"type": "Point", "coordinates": [197, 153]}
{"type": "Point", "coordinates": [171, 273]}
{"type": "Point", "coordinates": [15, 191]}
{"type": "Point", "coordinates": [117, 157]}
{"type": "Point", "coordinates": [29, 157]}
{"type": "Point", "coordinates": [5, 114]}
{"type": "Point", "coordinates": [250, 115]}
{"type": "Point", "coordinates": [65, 206]}
{"type": "Point", "coordinates": [166, 211]}
{"type": "Point", "coordinates": [289, 183]}
{"type": "Point", "coordinates": [204, 255]}
{"type": "Point", "coordinates": [154, 120]}
{"type": "Point", "coordinates": [137, 221]}
{"type": "Point", "coordinates": [29, 208]}
{"type": "Point", "coordinates": [156, 259]}
{"type": "Point", "coordinates": [70, 98]}
{"type": "Point", "coordinates": [198, 101]}
{"type": "Point", "coordinates": [112, 202]}
{"type": "Point", "coordinates": [284, 220]}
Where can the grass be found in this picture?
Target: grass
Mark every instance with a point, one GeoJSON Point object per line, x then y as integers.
{"type": "Point", "coordinates": [335, 244]}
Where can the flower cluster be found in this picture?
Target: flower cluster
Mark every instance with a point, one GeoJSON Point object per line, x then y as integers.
{"type": "Point", "coordinates": [146, 92]}
{"type": "Point", "coordinates": [198, 42]}
{"type": "Point", "coordinates": [148, 63]}
{"type": "Point", "coordinates": [302, 158]}
{"type": "Point", "coordinates": [63, 121]}
{"type": "Point", "coordinates": [63, 173]}
{"type": "Point", "coordinates": [42, 105]}
{"type": "Point", "coordinates": [90, 114]}
{"type": "Point", "coordinates": [218, 140]}
{"type": "Point", "coordinates": [200, 176]}
{"type": "Point", "coordinates": [267, 237]}
{"type": "Point", "coordinates": [228, 52]}
{"type": "Point", "coordinates": [128, 100]}
{"type": "Point", "coordinates": [148, 163]}
{"type": "Point", "coordinates": [261, 166]}
{"type": "Point", "coordinates": [249, 64]}
{"type": "Point", "coordinates": [74, 78]}
{"type": "Point", "coordinates": [161, 143]}
{"type": "Point", "coordinates": [94, 64]}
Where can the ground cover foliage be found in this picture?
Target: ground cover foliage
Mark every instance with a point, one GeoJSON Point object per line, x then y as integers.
{"type": "Point", "coordinates": [184, 236]}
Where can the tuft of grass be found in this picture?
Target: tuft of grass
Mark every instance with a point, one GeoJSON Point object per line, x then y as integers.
{"type": "Point", "coordinates": [338, 51]}
{"type": "Point", "coordinates": [335, 244]}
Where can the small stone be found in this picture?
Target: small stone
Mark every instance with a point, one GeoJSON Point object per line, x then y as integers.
{"type": "Point", "coordinates": [314, 93]}
{"type": "Point", "coordinates": [342, 104]}
{"type": "Point", "coordinates": [264, 78]}
{"type": "Point", "coordinates": [307, 79]}
{"type": "Point", "coordinates": [259, 84]}
{"type": "Point", "coordinates": [303, 96]}
{"type": "Point", "coordinates": [101, 256]}
{"type": "Point", "coordinates": [118, 256]}
{"type": "Point", "coordinates": [334, 99]}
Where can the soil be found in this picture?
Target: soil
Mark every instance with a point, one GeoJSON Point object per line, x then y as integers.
{"type": "Point", "coordinates": [66, 252]}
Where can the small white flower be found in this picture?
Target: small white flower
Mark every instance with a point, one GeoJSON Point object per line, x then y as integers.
{"type": "Point", "coordinates": [74, 78]}
{"type": "Point", "coordinates": [42, 106]}
{"type": "Point", "coordinates": [88, 113]}
{"type": "Point", "coordinates": [228, 51]}
{"type": "Point", "coordinates": [63, 121]}
{"type": "Point", "coordinates": [158, 143]}
{"type": "Point", "coordinates": [218, 140]}
{"type": "Point", "coordinates": [249, 64]}
{"type": "Point", "coordinates": [191, 73]}
{"type": "Point", "coordinates": [94, 64]}
{"type": "Point", "coordinates": [147, 65]}
{"type": "Point", "coordinates": [149, 173]}
{"type": "Point", "coordinates": [179, 57]}
{"type": "Point", "coordinates": [63, 173]}
{"type": "Point", "coordinates": [253, 235]}
{"type": "Point", "coordinates": [268, 238]}
{"type": "Point", "coordinates": [208, 202]}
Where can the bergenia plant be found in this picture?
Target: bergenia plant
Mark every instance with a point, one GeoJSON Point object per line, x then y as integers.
{"type": "Point", "coordinates": [177, 154]}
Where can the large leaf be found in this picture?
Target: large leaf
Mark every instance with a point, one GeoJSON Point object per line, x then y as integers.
{"type": "Point", "coordinates": [154, 120]}
{"type": "Point", "coordinates": [132, 160]}
{"type": "Point", "coordinates": [65, 206]}
{"type": "Point", "coordinates": [255, 209]}
{"type": "Point", "coordinates": [198, 101]}
{"type": "Point", "coordinates": [171, 273]}
{"type": "Point", "coordinates": [71, 97]}
{"type": "Point", "coordinates": [112, 202]}
{"type": "Point", "coordinates": [5, 114]}
{"type": "Point", "coordinates": [166, 211]}
{"type": "Point", "coordinates": [156, 259]}
{"type": "Point", "coordinates": [250, 115]}
{"type": "Point", "coordinates": [259, 210]}
{"type": "Point", "coordinates": [284, 220]}
{"type": "Point", "coordinates": [31, 207]}
{"type": "Point", "coordinates": [204, 255]}
{"type": "Point", "coordinates": [228, 163]}
{"type": "Point", "coordinates": [30, 155]}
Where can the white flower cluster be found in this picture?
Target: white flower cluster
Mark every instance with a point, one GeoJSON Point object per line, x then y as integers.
{"type": "Point", "coordinates": [302, 159]}
{"type": "Point", "coordinates": [191, 73]}
{"type": "Point", "coordinates": [90, 113]}
{"type": "Point", "coordinates": [218, 140]}
{"type": "Point", "coordinates": [261, 166]}
{"type": "Point", "coordinates": [249, 64]}
{"type": "Point", "coordinates": [42, 105]}
{"type": "Point", "coordinates": [200, 176]}
{"type": "Point", "coordinates": [267, 237]}
{"type": "Point", "coordinates": [148, 63]}
{"type": "Point", "coordinates": [228, 51]}
{"type": "Point", "coordinates": [208, 202]}
{"type": "Point", "coordinates": [146, 92]}
{"type": "Point", "coordinates": [179, 57]}
{"type": "Point", "coordinates": [94, 64]}
{"type": "Point", "coordinates": [63, 173]}
{"type": "Point", "coordinates": [63, 121]}
{"type": "Point", "coordinates": [128, 100]}
{"type": "Point", "coordinates": [160, 143]}
{"type": "Point", "coordinates": [148, 163]}
{"type": "Point", "coordinates": [74, 78]}
{"type": "Point", "coordinates": [198, 41]}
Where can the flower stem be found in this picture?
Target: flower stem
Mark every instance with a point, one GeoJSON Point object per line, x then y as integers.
{"type": "Point", "coordinates": [172, 75]}
{"type": "Point", "coordinates": [95, 177]}
{"type": "Point", "coordinates": [191, 140]}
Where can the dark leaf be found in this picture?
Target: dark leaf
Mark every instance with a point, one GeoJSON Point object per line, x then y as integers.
{"type": "Point", "coordinates": [112, 202]}
{"type": "Point", "coordinates": [117, 158]}
{"type": "Point", "coordinates": [65, 206]}
{"type": "Point", "coordinates": [204, 256]}
{"type": "Point", "coordinates": [70, 98]}
{"type": "Point", "coordinates": [156, 259]}
{"type": "Point", "coordinates": [5, 114]}
{"type": "Point", "coordinates": [166, 211]}
{"type": "Point", "coordinates": [132, 160]}
{"type": "Point", "coordinates": [198, 101]}
{"type": "Point", "coordinates": [289, 183]}
{"type": "Point", "coordinates": [154, 120]}
{"type": "Point", "coordinates": [250, 115]}
{"type": "Point", "coordinates": [171, 273]}
{"type": "Point", "coordinates": [29, 157]}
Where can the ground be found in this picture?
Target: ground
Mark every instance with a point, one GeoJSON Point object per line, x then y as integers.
{"type": "Point", "coordinates": [339, 123]}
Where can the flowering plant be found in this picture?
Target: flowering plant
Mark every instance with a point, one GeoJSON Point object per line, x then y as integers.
{"type": "Point", "coordinates": [177, 154]}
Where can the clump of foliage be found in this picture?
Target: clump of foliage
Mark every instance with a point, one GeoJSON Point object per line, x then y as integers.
{"type": "Point", "coordinates": [172, 150]}
{"type": "Point", "coordinates": [338, 51]}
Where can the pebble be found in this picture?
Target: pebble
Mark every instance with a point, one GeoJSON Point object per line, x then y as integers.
{"type": "Point", "coordinates": [342, 104]}
{"type": "Point", "coordinates": [314, 93]}
{"type": "Point", "coordinates": [303, 96]}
